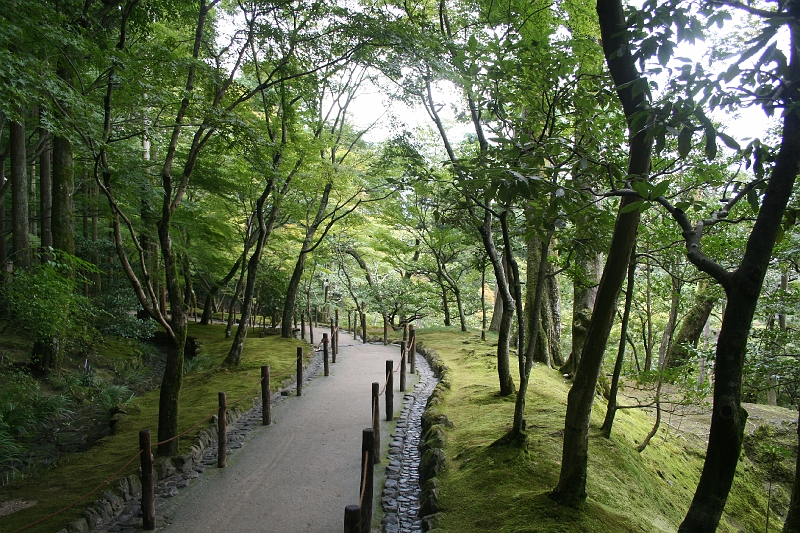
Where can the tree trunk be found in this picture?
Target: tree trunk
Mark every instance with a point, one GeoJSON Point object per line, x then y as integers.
{"type": "Point", "coordinates": [669, 329]}
{"type": "Point", "coordinates": [507, 316]}
{"type": "Point", "coordinates": [208, 307]}
{"type": "Point", "coordinates": [63, 209]}
{"type": "Point", "coordinates": [497, 311]}
{"type": "Point", "coordinates": [19, 196]}
{"type": "Point", "coordinates": [552, 318]}
{"type": "Point", "coordinates": [526, 362]}
{"type": "Point", "coordinates": [45, 192]}
{"type": "Point", "coordinates": [691, 326]}
{"type": "Point", "coordinates": [571, 488]}
{"type": "Point", "coordinates": [743, 287]}
{"type": "Point", "coordinates": [584, 292]}
{"type": "Point", "coordinates": [294, 282]}
{"type": "Point", "coordinates": [611, 409]}
{"type": "Point", "coordinates": [445, 304]}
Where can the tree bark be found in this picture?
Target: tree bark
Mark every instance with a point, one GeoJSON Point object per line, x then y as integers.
{"type": "Point", "coordinates": [669, 329]}
{"type": "Point", "coordinates": [691, 326]}
{"type": "Point", "coordinates": [45, 192]}
{"type": "Point", "coordinates": [584, 292]}
{"type": "Point", "coordinates": [63, 209]}
{"type": "Point", "coordinates": [19, 196]}
{"type": "Point", "coordinates": [571, 488]}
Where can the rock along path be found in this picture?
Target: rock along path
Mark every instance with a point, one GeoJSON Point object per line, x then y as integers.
{"type": "Point", "coordinates": [299, 473]}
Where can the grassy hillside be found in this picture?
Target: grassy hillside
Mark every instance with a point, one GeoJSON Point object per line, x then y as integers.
{"type": "Point", "coordinates": [503, 488]}
{"type": "Point", "coordinates": [74, 476]}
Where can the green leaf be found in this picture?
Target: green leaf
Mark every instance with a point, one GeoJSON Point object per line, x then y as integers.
{"type": "Point", "coordinates": [629, 208]}
{"type": "Point", "coordinates": [642, 187]}
{"type": "Point", "coordinates": [660, 189]}
{"type": "Point", "coordinates": [683, 206]}
{"type": "Point", "coordinates": [685, 141]}
{"type": "Point", "coordinates": [752, 199]}
{"type": "Point", "coordinates": [729, 141]}
{"type": "Point", "coordinates": [664, 53]}
{"type": "Point", "coordinates": [711, 143]}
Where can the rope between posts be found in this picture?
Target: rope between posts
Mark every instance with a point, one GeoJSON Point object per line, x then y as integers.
{"type": "Point", "coordinates": [139, 453]}
{"type": "Point", "coordinates": [364, 479]}
{"type": "Point", "coordinates": [76, 502]}
{"type": "Point", "coordinates": [386, 381]}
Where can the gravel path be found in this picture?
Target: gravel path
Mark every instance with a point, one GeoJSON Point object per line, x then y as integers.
{"type": "Point", "coordinates": [299, 473]}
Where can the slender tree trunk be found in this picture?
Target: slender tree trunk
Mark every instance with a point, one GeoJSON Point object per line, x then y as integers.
{"type": "Point", "coordinates": [669, 329]}
{"type": "Point", "coordinates": [445, 303]}
{"type": "Point", "coordinates": [571, 488]}
{"type": "Point", "coordinates": [19, 196]}
{"type": "Point", "coordinates": [526, 362]}
{"type": "Point", "coordinates": [611, 410]}
{"type": "Point", "coordinates": [507, 316]}
{"type": "Point", "coordinates": [294, 282]}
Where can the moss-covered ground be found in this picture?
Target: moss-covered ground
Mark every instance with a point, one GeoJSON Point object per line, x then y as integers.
{"type": "Point", "coordinates": [489, 486]}
{"type": "Point", "coordinates": [73, 477]}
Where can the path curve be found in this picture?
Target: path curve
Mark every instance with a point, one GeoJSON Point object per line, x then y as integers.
{"type": "Point", "coordinates": [299, 473]}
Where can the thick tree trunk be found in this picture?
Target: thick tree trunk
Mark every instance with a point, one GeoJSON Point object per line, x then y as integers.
{"type": "Point", "coordinates": [691, 326]}
{"type": "Point", "coordinates": [19, 196]}
{"type": "Point", "coordinates": [63, 209]}
{"type": "Point", "coordinates": [743, 288]}
{"type": "Point", "coordinates": [45, 192]}
{"type": "Point", "coordinates": [571, 488]}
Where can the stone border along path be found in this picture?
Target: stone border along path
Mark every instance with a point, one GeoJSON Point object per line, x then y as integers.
{"type": "Point", "coordinates": [129, 510]}
{"type": "Point", "coordinates": [401, 492]}
{"type": "Point", "coordinates": [400, 497]}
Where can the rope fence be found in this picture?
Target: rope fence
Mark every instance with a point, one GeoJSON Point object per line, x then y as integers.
{"type": "Point", "coordinates": [358, 518]}
{"type": "Point", "coordinates": [221, 421]}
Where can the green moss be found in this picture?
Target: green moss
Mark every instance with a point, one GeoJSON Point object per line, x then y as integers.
{"type": "Point", "coordinates": [503, 487]}
{"type": "Point", "coordinates": [76, 475]}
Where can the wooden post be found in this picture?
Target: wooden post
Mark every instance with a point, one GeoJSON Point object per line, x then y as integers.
{"type": "Point", "coordinates": [364, 326]}
{"type": "Point", "coordinates": [333, 342]}
{"type": "Point", "coordinates": [222, 431]}
{"type": "Point", "coordinates": [402, 366]}
{"type": "Point", "coordinates": [389, 392]}
{"type": "Point", "coordinates": [376, 419]}
{"type": "Point", "coordinates": [367, 447]}
{"type": "Point", "coordinates": [352, 519]}
{"type": "Point", "coordinates": [266, 400]}
{"type": "Point", "coordinates": [405, 331]}
{"type": "Point", "coordinates": [385, 331]}
{"type": "Point", "coordinates": [412, 351]}
{"type": "Point", "coordinates": [148, 482]}
{"type": "Point", "coordinates": [310, 329]}
{"type": "Point", "coordinates": [299, 371]}
{"type": "Point", "coordinates": [302, 326]}
{"type": "Point", "coordinates": [325, 364]}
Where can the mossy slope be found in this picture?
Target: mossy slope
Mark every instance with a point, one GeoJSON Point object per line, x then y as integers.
{"type": "Point", "coordinates": [489, 486]}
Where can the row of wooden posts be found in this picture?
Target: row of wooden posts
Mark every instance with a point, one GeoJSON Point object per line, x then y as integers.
{"type": "Point", "coordinates": [145, 447]}
{"type": "Point", "coordinates": [358, 518]}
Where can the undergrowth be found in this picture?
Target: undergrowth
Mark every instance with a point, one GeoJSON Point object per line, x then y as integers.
{"type": "Point", "coordinates": [502, 487]}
